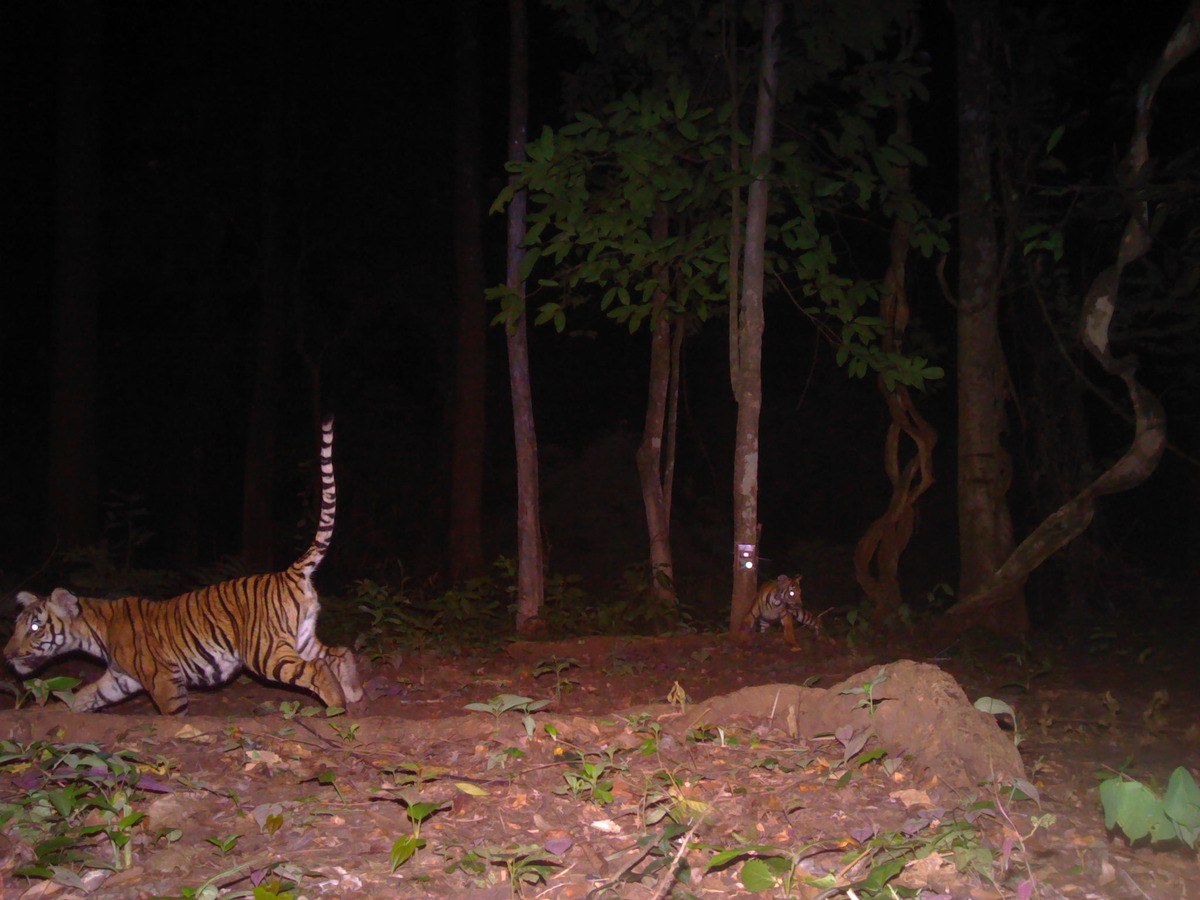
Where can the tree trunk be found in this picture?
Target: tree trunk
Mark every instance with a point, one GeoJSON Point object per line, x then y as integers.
{"type": "Point", "coordinates": [984, 466]}
{"type": "Point", "coordinates": [746, 368]}
{"type": "Point", "coordinates": [1099, 307]}
{"type": "Point", "coordinates": [877, 556]}
{"type": "Point", "coordinates": [654, 473]}
{"type": "Point", "coordinates": [530, 586]}
{"type": "Point", "coordinates": [470, 383]}
{"type": "Point", "coordinates": [72, 465]}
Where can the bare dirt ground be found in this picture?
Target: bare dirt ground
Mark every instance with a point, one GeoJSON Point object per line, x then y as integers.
{"type": "Point", "coordinates": [653, 757]}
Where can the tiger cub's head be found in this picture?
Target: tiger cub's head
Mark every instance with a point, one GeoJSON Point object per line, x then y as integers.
{"type": "Point", "coordinates": [785, 593]}
{"type": "Point", "coordinates": [43, 629]}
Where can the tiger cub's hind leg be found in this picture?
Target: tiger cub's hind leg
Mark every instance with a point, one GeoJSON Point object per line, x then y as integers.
{"type": "Point", "coordinates": [168, 690]}
{"type": "Point", "coordinates": [286, 666]}
{"type": "Point", "coordinates": [345, 669]}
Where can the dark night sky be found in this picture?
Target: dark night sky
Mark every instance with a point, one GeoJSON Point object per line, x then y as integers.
{"type": "Point", "coordinates": [366, 90]}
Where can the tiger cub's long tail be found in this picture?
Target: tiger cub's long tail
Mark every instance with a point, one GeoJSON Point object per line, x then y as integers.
{"type": "Point", "coordinates": [307, 564]}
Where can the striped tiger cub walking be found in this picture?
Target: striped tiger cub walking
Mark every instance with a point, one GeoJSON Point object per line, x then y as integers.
{"type": "Point", "coordinates": [779, 601]}
{"type": "Point", "coordinates": [264, 623]}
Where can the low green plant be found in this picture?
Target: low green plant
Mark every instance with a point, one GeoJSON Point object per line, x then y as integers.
{"type": "Point", "coordinates": [277, 881]}
{"type": "Point", "coordinates": [588, 783]}
{"type": "Point", "coordinates": [40, 691]}
{"type": "Point", "coordinates": [523, 863]}
{"type": "Point", "coordinates": [503, 703]}
{"type": "Point", "coordinates": [225, 845]}
{"type": "Point", "coordinates": [642, 724]}
{"type": "Point", "coordinates": [763, 867]}
{"type": "Point", "coordinates": [1140, 812]}
{"type": "Point", "coordinates": [994, 707]}
{"type": "Point", "coordinates": [867, 690]}
{"type": "Point", "coordinates": [854, 754]}
{"type": "Point", "coordinates": [269, 817]}
{"type": "Point", "coordinates": [290, 709]}
{"type": "Point", "coordinates": [404, 848]}
{"type": "Point", "coordinates": [393, 617]}
{"type": "Point", "coordinates": [347, 732]}
{"type": "Point", "coordinates": [75, 804]}
{"type": "Point", "coordinates": [640, 608]}
{"type": "Point", "coordinates": [666, 796]}
{"type": "Point", "coordinates": [703, 733]}
{"type": "Point", "coordinates": [556, 667]}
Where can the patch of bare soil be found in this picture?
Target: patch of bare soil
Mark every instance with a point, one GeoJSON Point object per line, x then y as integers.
{"type": "Point", "coordinates": [593, 796]}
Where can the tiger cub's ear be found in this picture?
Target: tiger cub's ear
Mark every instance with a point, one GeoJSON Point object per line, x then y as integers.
{"type": "Point", "coordinates": [25, 599]}
{"type": "Point", "coordinates": [65, 601]}
{"type": "Point", "coordinates": [783, 581]}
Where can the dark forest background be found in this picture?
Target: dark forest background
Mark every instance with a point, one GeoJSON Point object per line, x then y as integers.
{"type": "Point", "coordinates": [335, 121]}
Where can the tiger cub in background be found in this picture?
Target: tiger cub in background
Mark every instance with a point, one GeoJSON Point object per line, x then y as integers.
{"type": "Point", "coordinates": [779, 601]}
{"type": "Point", "coordinates": [264, 623]}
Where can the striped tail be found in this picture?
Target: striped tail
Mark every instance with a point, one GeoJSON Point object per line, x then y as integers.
{"type": "Point", "coordinates": [307, 564]}
{"type": "Point", "coordinates": [804, 617]}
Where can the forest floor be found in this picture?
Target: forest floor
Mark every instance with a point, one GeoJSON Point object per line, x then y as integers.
{"type": "Point", "coordinates": [683, 766]}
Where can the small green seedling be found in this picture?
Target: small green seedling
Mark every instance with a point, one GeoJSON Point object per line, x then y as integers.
{"type": "Point", "coordinates": [226, 844]}
{"type": "Point", "coordinates": [557, 666]}
{"type": "Point", "coordinates": [503, 703]}
{"type": "Point", "coordinates": [588, 783]}
{"type": "Point", "coordinates": [867, 689]}
{"type": "Point", "coordinates": [403, 849]}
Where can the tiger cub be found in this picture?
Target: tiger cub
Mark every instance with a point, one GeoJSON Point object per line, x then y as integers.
{"type": "Point", "coordinates": [779, 601]}
{"type": "Point", "coordinates": [264, 623]}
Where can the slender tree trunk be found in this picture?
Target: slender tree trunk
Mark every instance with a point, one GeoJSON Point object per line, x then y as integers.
{"type": "Point", "coordinates": [984, 466]}
{"type": "Point", "coordinates": [654, 474]}
{"type": "Point", "coordinates": [466, 482]}
{"type": "Point", "coordinates": [530, 586]}
{"type": "Point", "coordinates": [1099, 307]}
{"type": "Point", "coordinates": [72, 472]}
{"type": "Point", "coordinates": [746, 369]}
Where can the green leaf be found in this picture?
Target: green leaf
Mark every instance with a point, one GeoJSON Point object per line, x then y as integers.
{"type": "Point", "coordinates": [418, 812]}
{"type": "Point", "coordinates": [879, 876]}
{"type": "Point", "coordinates": [546, 313]}
{"type": "Point", "coordinates": [757, 876]}
{"type": "Point", "coordinates": [1020, 789]}
{"type": "Point", "coordinates": [728, 856]}
{"type": "Point", "coordinates": [1132, 807]}
{"type": "Point", "coordinates": [472, 790]}
{"type": "Point", "coordinates": [403, 850]}
{"type": "Point", "coordinates": [60, 683]}
{"type": "Point", "coordinates": [528, 261]}
{"type": "Point", "coordinates": [1181, 803]}
{"type": "Point", "coordinates": [50, 846]}
{"type": "Point", "coordinates": [994, 707]}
